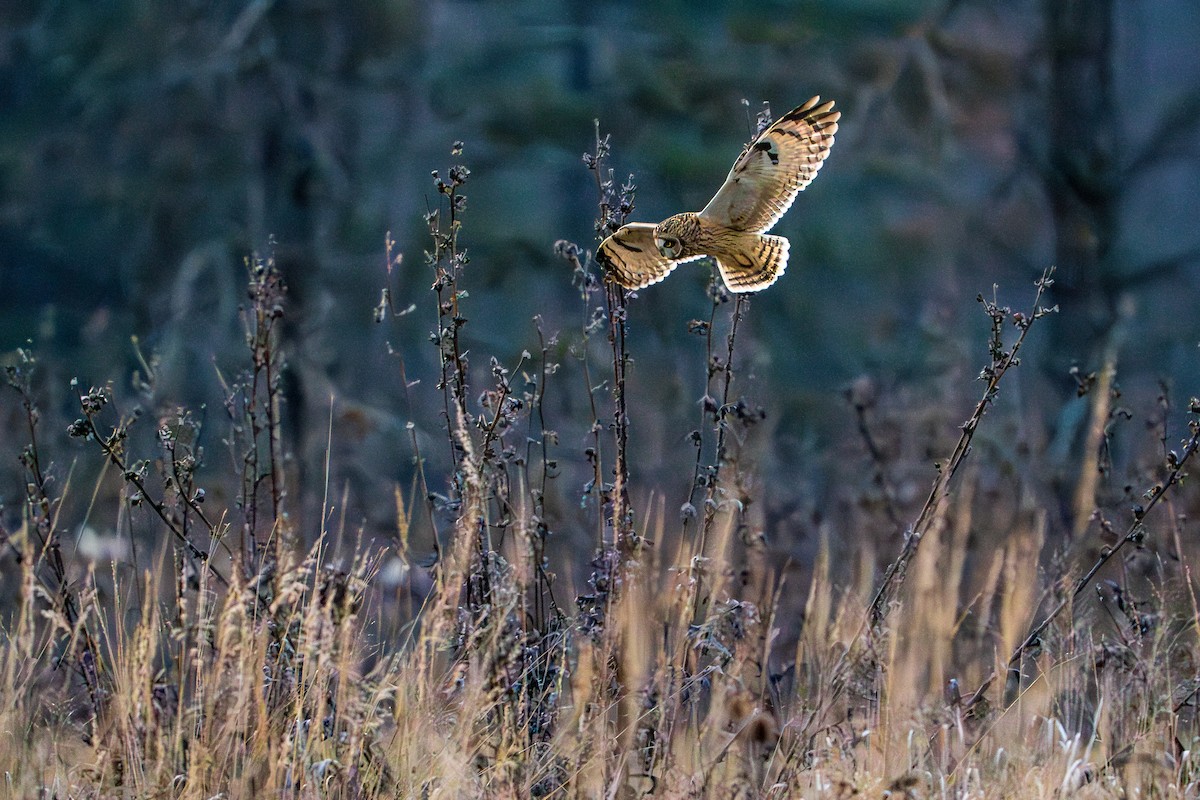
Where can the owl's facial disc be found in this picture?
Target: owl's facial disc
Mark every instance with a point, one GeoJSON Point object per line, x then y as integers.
{"type": "Point", "coordinates": [668, 246]}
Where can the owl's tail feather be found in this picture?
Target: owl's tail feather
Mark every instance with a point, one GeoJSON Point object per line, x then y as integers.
{"type": "Point", "coordinates": [755, 264]}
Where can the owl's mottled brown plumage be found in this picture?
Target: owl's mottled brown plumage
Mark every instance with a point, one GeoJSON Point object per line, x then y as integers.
{"type": "Point", "coordinates": [760, 188]}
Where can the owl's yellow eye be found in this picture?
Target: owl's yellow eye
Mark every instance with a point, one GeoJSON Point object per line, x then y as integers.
{"type": "Point", "coordinates": [668, 246]}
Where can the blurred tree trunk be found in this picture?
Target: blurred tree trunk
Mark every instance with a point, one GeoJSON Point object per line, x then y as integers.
{"type": "Point", "coordinates": [1084, 184]}
{"type": "Point", "coordinates": [1083, 174]}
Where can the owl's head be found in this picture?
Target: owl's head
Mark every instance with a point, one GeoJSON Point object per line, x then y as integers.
{"type": "Point", "coordinates": [672, 234]}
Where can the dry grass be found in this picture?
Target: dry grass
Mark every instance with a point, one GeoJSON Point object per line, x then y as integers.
{"type": "Point", "coordinates": [231, 662]}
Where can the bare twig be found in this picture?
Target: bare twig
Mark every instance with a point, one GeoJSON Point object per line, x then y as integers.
{"type": "Point", "coordinates": [113, 446]}
{"type": "Point", "coordinates": [43, 512]}
{"type": "Point", "coordinates": [1134, 534]}
{"type": "Point", "coordinates": [1001, 360]}
{"type": "Point", "coordinates": [615, 203]}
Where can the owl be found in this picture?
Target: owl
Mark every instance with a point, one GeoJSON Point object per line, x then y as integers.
{"type": "Point", "coordinates": [732, 228]}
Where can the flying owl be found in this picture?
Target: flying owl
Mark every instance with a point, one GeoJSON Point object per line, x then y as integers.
{"type": "Point", "coordinates": [732, 228]}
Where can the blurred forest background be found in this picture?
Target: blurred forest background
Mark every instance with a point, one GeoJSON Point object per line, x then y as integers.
{"type": "Point", "coordinates": [148, 149]}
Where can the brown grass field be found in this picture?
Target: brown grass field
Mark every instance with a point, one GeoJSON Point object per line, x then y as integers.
{"type": "Point", "coordinates": [624, 650]}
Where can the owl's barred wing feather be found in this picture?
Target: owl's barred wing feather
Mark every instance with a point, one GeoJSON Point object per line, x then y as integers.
{"type": "Point", "coordinates": [630, 257]}
{"type": "Point", "coordinates": [755, 266]}
{"type": "Point", "coordinates": [775, 168]}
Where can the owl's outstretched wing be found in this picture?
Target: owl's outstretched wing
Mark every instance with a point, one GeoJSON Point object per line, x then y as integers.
{"type": "Point", "coordinates": [774, 168]}
{"type": "Point", "coordinates": [630, 257]}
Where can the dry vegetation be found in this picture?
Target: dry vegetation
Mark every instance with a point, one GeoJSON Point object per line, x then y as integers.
{"type": "Point", "coordinates": [985, 655]}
